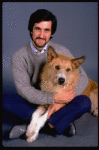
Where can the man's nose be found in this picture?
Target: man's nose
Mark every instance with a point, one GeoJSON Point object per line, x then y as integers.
{"type": "Point", "coordinates": [41, 34]}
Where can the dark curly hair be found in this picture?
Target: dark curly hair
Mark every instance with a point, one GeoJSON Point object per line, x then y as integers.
{"type": "Point", "coordinates": [42, 15]}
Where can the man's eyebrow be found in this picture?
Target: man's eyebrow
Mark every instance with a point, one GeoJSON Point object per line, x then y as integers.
{"type": "Point", "coordinates": [47, 29]}
{"type": "Point", "coordinates": [37, 28]}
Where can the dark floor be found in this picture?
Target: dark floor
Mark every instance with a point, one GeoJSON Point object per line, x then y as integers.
{"type": "Point", "coordinates": [86, 127]}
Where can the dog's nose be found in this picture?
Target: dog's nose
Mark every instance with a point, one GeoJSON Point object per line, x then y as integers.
{"type": "Point", "coordinates": [61, 81]}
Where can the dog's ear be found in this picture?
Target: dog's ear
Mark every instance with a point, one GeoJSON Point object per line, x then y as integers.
{"type": "Point", "coordinates": [51, 54]}
{"type": "Point", "coordinates": [76, 62]}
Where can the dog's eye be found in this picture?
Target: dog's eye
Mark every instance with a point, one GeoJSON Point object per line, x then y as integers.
{"type": "Point", "coordinates": [57, 67]}
{"type": "Point", "coordinates": [68, 69]}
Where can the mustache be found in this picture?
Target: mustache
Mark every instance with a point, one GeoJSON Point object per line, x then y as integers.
{"type": "Point", "coordinates": [41, 38]}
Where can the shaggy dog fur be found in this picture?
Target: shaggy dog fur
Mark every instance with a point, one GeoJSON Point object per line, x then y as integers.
{"type": "Point", "coordinates": [60, 71]}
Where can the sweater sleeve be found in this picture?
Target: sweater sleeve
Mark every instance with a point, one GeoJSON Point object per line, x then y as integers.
{"type": "Point", "coordinates": [23, 86]}
{"type": "Point", "coordinates": [82, 83]}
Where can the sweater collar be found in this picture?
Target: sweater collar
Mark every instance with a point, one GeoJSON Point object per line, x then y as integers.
{"type": "Point", "coordinates": [34, 50]}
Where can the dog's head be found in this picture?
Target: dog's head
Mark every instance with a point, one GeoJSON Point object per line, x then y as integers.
{"type": "Point", "coordinates": [62, 67]}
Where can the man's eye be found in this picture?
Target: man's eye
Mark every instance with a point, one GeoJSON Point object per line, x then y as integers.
{"type": "Point", "coordinates": [37, 29]}
{"type": "Point", "coordinates": [47, 30]}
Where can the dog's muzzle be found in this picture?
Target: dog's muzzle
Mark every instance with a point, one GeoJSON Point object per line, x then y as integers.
{"type": "Point", "coordinates": [61, 81]}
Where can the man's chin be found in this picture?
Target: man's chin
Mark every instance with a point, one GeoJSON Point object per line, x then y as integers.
{"type": "Point", "coordinates": [40, 45]}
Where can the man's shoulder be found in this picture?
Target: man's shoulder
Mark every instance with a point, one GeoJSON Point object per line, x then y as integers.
{"type": "Point", "coordinates": [21, 51]}
{"type": "Point", "coordinates": [60, 48]}
{"type": "Point", "coordinates": [56, 45]}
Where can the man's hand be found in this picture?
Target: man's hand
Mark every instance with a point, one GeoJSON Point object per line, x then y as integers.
{"type": "Point", "coordinates": [64, 96]}
{"type": "Point", "coordinates": [54, 108]}
{"type": "Point", "coordinates": [61, 99]}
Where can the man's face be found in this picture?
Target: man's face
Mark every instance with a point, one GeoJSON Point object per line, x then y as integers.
{"type": "Point", "coordinates": [41, 34]}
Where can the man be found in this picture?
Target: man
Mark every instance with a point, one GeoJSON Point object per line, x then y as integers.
{"type": "Point", "coordinates": [26, 64]}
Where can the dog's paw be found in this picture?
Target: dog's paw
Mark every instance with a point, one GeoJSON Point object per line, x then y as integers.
{"type": "Point", "coordinates": [32, 138]}
{"type": "Point", "coordinates": [95, 112]}
{"type": "Point", "coordinates": [30, 131]}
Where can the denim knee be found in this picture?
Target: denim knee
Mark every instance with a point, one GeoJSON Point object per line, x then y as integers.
{"type": "Point", "coordinates": [83, 102]}
{"type": "Point", "coordinates": [6, 102]}
{"type": "Point", "coordinates": [10, 100]}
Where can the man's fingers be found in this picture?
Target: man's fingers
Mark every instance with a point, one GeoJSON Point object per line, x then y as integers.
{"type": "Point", "coordinates": [49, 107]}
{"type": "Point", "coordinates": [50, 113]}
{"type": "Point", "coordinates": [48, 116]}
{"type": "Point", "coordinates": [71, 91]}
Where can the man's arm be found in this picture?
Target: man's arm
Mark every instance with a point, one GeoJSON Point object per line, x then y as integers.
{"type": "Point", "coordinates": [82, 83]}
{"type": "Point", "coordinates": [23, 86]}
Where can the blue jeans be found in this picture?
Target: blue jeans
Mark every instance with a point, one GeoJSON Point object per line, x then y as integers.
{"type": "Point", "coordinates": [16, 105]}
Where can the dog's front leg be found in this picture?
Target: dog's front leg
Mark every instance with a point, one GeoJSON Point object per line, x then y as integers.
{"type": "Point", "coordinates": [32, 126]}
{"type": "Point", "coordinates": [40, 124]}
{"type": "Point", "coordinates": [41, 121]}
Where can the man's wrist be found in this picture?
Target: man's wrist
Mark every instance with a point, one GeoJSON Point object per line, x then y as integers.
{"type": "Point", "coordinates": [56, 98]}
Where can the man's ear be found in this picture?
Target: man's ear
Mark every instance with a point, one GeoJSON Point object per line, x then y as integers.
{"type": "Point", "coordinates": [51, 54]}
{"type": "Point", "coordinates": [76, 62]}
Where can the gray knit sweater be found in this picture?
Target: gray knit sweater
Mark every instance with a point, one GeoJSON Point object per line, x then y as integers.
{"type": "Point", "coordinates": [25, 70]}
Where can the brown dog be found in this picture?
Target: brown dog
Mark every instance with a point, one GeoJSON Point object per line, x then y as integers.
{"type": "Point", "coordinates": [66, 68]}
{"type": "Point", "coordinates": [60, 71]}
